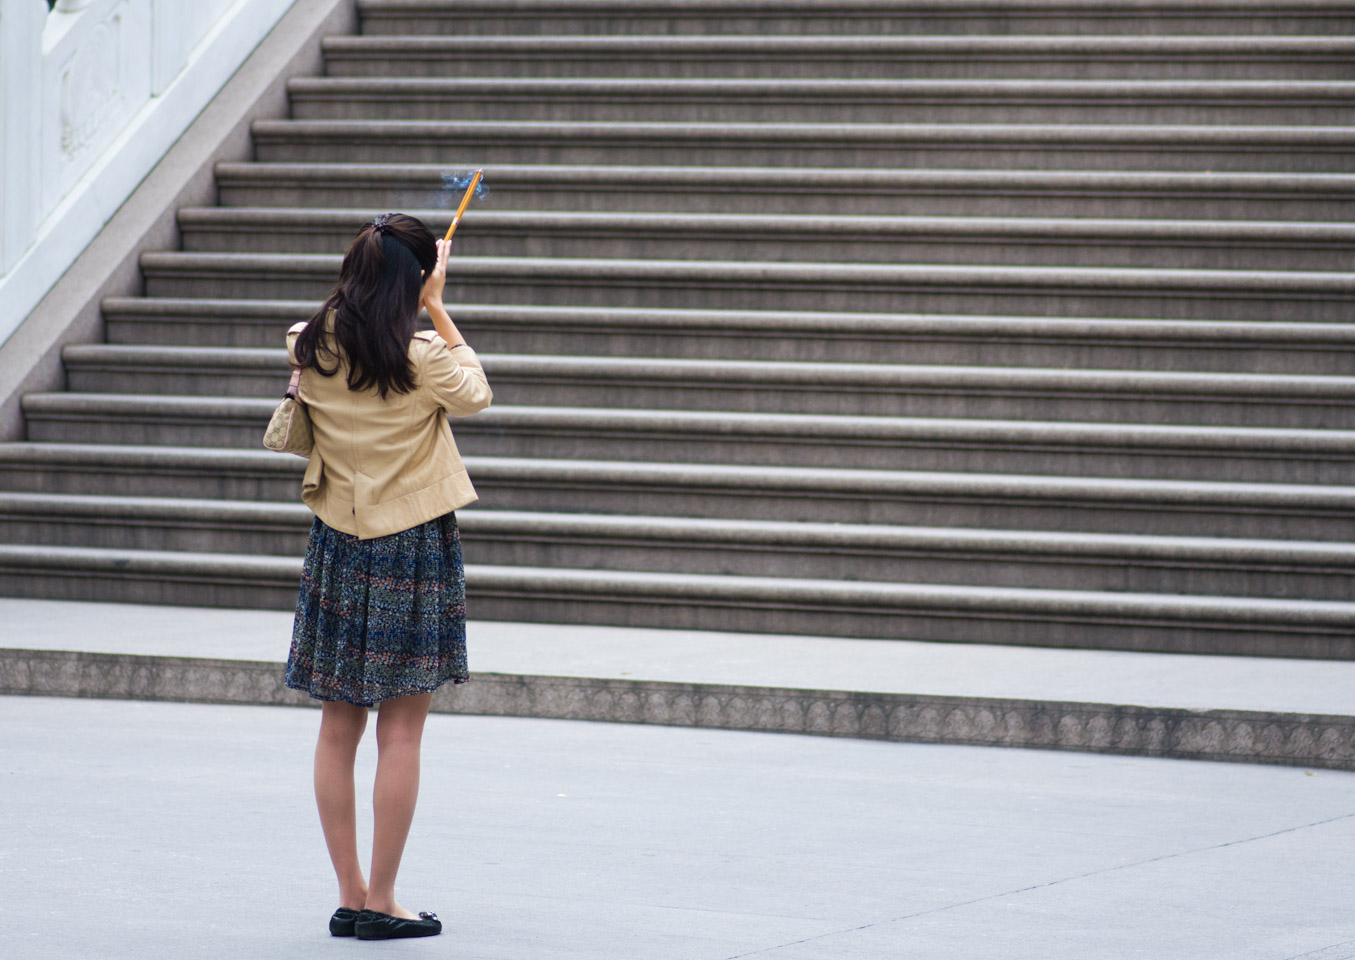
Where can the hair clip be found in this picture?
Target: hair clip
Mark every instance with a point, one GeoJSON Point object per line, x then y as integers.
{"type": "Point", "coordinates": [380, 223]}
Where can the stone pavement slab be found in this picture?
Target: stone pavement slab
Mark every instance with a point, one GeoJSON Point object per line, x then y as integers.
{"type": "Point", "coordinates": [820, 663]}
{"type": "Point", "coordinates": [146, 830]}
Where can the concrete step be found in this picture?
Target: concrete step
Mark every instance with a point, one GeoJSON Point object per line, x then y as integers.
{"type": "Point", "coordinates": [816, 494]}
{"type": "Point", "coordinates": [764, 548]}
{"type": "Point", "coordinates": [1156, 704]}
{"type": "Point", "coordinates": [855, 17]}
{"type": "Point", "coordinates": [845, 56]}
{"type": "Point", "coordinates": [724, 100]}
{"type": "Point", "coordinates": [951, 500]}
{"type": "Point", "coordinates": [1078, 343]}
{"type": "Point", "coordinates": [1072, 241]}
{"type": "Point", "coordinates": [195, 525]}
{"type": "Point", "coordinates": [129, 470]}
{"type": "Point", "coordinates": [1235, 295]}
{"type": "Point", "coordinates": [800, 190]}
{"type": "Point", "coordinates": [1034, 617]}
{"type": "Point", "coordinates": [1156, 147]}
{"type": "Point", "coordinates": [1247, 454]}
{"type": "Point", "coordinates": [889, 390]}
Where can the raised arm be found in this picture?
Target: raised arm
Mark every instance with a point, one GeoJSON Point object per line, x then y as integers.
{"type": "Point", "coordinates": [452, 370]}
{"type": "Point", "coordinates": [456, 379]}
{"type": "Point", "coordinates": [431, 297]}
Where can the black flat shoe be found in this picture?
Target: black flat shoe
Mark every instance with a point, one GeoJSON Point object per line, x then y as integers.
{"type": "Point", "coordinates": [343, 922]}
{"type": "Point", "coordinates": [382, 926]}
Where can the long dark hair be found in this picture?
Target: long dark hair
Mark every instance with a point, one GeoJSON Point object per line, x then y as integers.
{"type": "Point", "coordinates": [376, 306]}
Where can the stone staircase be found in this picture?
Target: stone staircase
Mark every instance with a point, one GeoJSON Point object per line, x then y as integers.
{"type": "Point", "coordinates": [999, 321]}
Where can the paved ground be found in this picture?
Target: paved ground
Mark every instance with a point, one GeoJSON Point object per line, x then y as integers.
{"type": "Point", "coordinates": [136, 829]}
{"type": "Point", "coordinates": [950, 669]}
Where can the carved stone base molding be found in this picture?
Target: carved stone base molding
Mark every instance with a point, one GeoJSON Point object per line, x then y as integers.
{"type": "Point", "coordinates": [1306, 740]}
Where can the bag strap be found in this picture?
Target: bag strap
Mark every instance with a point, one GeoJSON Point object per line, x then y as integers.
{"type": "Point", "coordinates": [293, 385]}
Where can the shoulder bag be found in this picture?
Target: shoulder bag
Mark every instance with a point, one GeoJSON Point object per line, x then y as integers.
{"type": "Point", "coordinates": [289, 430]}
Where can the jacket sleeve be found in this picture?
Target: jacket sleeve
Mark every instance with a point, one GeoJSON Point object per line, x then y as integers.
{"type": "Point", "coordinates": [455, 378]}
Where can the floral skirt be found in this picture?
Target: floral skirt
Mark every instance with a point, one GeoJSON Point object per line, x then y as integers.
{"type": "Point", "coordinates": [380, 618]}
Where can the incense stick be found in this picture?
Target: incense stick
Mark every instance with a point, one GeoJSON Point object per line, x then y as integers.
{"type": "Point", "coordinates": [465, 202]}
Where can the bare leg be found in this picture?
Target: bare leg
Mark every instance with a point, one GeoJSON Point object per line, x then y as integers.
{"type": "Point", "coordinates": [341, 726]}
{"type": "Point", "coordinates": [399, 732]}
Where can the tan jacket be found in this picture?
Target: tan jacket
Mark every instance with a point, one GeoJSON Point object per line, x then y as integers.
{"type": "Point", "coordinates": [382, 466]}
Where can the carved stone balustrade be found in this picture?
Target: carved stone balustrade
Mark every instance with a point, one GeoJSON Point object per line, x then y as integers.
{"type": "Point", "coordinates": [91, 94]}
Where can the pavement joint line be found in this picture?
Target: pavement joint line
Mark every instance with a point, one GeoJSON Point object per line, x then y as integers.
{"type": "Point", "coordinates": [1324, 953]}
{"type": "Point", "coordinates": [1053, 883]}
{"type": "Point", "coordinates": [1269, 737]}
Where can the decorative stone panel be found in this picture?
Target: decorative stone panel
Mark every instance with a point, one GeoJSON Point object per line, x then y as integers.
{"type": "Point", "coordinates": [1307, 740]}
{"type": "Point", "coordinates": [95, 77]}
{"type": "Point", "coordinates": [83, 119]}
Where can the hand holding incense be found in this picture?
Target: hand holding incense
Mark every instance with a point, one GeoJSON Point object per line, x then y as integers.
{"type": "Point", "coordinates": [465, 202]}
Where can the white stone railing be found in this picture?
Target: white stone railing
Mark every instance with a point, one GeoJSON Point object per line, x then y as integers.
{"type": "Point", "coordinates": [92, 94]}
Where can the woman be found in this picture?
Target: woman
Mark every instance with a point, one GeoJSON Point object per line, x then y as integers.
{"type": "Point", "coordinates": [380, 617]}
